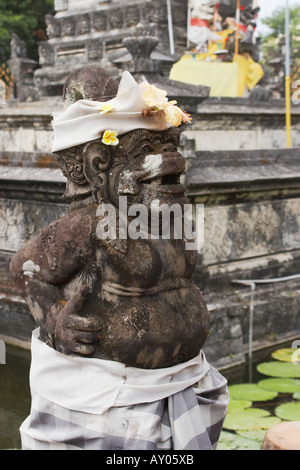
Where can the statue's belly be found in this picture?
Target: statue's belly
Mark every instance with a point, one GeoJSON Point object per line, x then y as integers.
{"type": "Point", "coordinates": [154, 331]}
{"type": "Point", "coordinates": [148, 263]}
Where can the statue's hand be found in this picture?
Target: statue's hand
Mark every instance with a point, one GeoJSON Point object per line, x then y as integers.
{"type": "Point", "coordinates": [72, 333]}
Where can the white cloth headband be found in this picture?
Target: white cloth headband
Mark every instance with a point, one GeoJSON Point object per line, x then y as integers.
{"type": "Point", "coordinates": [136, 106]}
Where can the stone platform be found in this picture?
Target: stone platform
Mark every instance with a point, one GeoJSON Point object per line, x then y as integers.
{"type": "Point", "coordinates": [283, 436]}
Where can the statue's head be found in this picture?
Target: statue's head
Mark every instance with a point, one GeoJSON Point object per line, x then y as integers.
{"type": "Point", "coordinates": [121, 140]}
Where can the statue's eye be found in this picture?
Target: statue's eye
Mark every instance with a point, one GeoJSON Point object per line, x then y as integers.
{"type": "Point", "coordinates": [174, 140]}
{"type": "Point", "coordinates": [146, 149]}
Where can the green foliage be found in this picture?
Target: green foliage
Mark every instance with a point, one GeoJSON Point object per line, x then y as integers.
{"type": "Point", "coordinates": [26, 18]}
{"type": "Point", "coordinates": [271, 42]}
{"type": "Point", "coordinates": [296, 395]}
{"type": "Point", "coordinates": [238, 404]}
{"type": "Point", "coordinates": [249, 419]}
{"type": "Point", "coordinates": [246, 423]}
{"type": "Point", "coordinates": [250, 392]}
{"type": "Point", "coordinates": [280, 385]}
{"type": "Point", "coordinates": [288, 411]}
{"type": "Point", "coordinates": [254, 435]}
{"type": "Point", "coordinates": [284, 355]}
{"type": "Point", "coordinates": [279, 369]}
{"type": "Point", "coordinates": [230, 441]}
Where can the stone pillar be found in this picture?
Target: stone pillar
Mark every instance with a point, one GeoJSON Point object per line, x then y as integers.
{"type": "Point", "coordinates": [22, 70]}
{"type": "Point", "coordinates": [283, 436]}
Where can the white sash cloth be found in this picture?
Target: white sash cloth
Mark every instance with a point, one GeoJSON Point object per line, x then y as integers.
{"type": "Point", "coordinates": [94, 385]}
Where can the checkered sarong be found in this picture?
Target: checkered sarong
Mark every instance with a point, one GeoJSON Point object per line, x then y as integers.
{"type": "Point", "coordinates": [189, 419]}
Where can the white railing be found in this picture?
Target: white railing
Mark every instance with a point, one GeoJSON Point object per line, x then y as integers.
{"type": "Point", "coordinates": [252, 284]}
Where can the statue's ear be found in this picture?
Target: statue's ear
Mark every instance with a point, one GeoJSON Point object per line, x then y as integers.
{"type": "Point", "coordinates": [97, 160]}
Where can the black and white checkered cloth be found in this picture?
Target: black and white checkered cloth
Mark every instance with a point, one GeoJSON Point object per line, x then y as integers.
{"type": "Point", "coordinates": [189, 419]}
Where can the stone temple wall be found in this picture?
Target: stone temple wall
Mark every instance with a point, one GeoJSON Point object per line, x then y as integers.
{"type": "Point", "coordinates": [251, 198]}
{"type": "Point", "coordinates": [251, 232]}
{"type": "Point", "coordinates": [92, 32]}
{"type": "Point", "coordinates": [218, 124]}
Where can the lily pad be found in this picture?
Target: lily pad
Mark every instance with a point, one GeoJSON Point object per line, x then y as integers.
{"type": "Point", "coordinates": [227, 441]}
{"type": "Point", "coordinates": [254, 435]}
{"type": "Point", "coordinates": [230, 441]}
{"type": "Point", "coordinates": [250, 392]}
{"type": "Point", "coordinates": [238, 404]}
{"type": "Point", "coordinates": [280, 385]}
{"type": "Point", "coordinates": [285, 354]}
{"type": "Point", "coordinates": [289, 411]}
{"type": "Point", "coordinates": [249, 419]}
{"type": "Point", "coordinates": [296, 396]}
{"type": "Point", "coordinates": [279, 369]}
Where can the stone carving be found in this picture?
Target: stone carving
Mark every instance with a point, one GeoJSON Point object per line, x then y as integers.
{"type": "Point", "coordinates": [127, 300]}
{"type": "Point", "coordinates": [121, 324]}
{"type": "Point", "coordinates": [17, 47]}
{"type": "Point", "coordinates": [82, 25]}
{"type": "Point", "coordinates": [53, 26]}
{"type": "Point", "coordinates": [68, 26]}
{"type": "Point", "coordinates": [132, 16]}
{"type": "Point", "coordinates": [116, 19]}
{"type": "Point", "coordinates": [22, 70]}
{"type": "Point", "coordinates": [46, 53]}
{"type": "Point", "coordinates": [86, 32]}
{"type": "Point", "coordinates": [95, 50]}
{"type": "Point", "coordinates": [99, 21]}
{"type": "Point", "coordinates": [141, 46]}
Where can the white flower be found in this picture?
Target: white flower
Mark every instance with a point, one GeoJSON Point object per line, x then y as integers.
{"type": "Point", "coordinates": [110, 138]}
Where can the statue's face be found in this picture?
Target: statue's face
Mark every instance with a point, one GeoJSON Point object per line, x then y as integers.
{"type": "Point", "coordinates": [147, 169]}
{"type": "Point", "coordinates": [145, 166]}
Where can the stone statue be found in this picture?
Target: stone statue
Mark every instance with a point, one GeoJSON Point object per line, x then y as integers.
{"type": "Point", "coordinates": [17, 47]}
{"type": "Point", "coordinates": [128, 300]}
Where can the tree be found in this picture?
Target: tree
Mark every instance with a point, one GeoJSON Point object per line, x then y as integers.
{"type": "Point", "coordinates": [26, 18]}
{"type": "Point", "coordinates": [273, 43]}
{"type": "Point", "coordinates": [276, 22]}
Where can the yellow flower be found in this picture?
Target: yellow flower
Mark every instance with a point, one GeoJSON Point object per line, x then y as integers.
{"type": "Point", "coordinates": [106, 108]}
{"type": "Point", "coordinates": [153, 96]}
{"type": "Point", "coordinates": [110, 138]}
{"type": "Point", "coordinates": [175, 115]}
{"type": "Point", "coordinates": [156, 99]}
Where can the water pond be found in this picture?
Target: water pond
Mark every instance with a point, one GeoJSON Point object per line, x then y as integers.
{"type": "Point", "coordinates": [263, 392]}
{"type": "Point", "coordinates": [14, 396]}
{"type": "Point", "coordinates": [15, 400]}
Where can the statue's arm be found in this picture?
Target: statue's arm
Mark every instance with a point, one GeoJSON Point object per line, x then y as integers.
{"type": "Point", "coordinates": [42, 266]}
{"type": "Point", "coordinates": [35, 279]}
